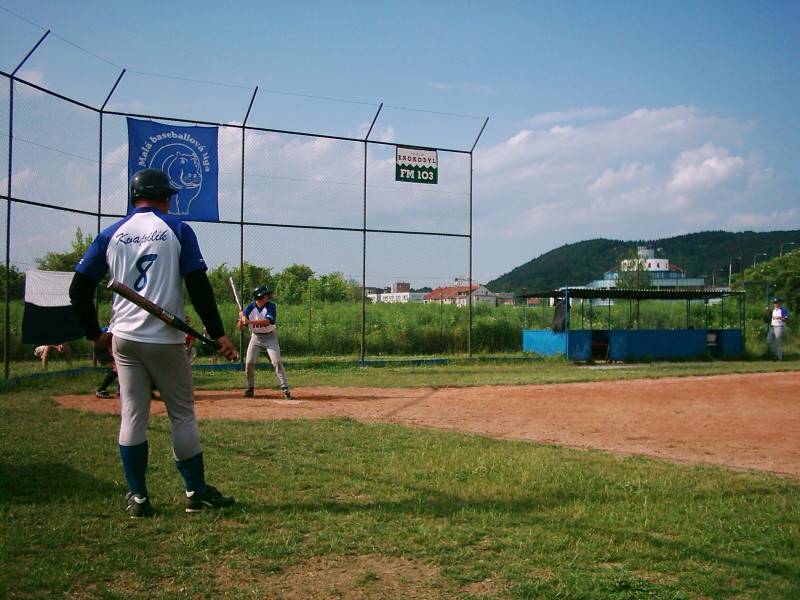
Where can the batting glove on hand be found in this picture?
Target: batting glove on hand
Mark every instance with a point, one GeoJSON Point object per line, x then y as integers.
{"type": "Point", "coordinates": [103, 340]}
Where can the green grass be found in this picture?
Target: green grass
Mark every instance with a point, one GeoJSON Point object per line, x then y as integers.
{"type": "Point", "coordinates": [488, 518]}
{"type": "Point", "coordinates": [479, 371]}
{"type": "Point", "coordinates": [517, 369]}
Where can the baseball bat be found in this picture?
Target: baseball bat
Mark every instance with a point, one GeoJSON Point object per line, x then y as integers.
{"type": "Point", "coordinates": [235, 293]}
{"type": "Point", "coordinates": [155, 310]}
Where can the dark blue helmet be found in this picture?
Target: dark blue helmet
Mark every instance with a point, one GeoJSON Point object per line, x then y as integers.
{"type": "Point", "coordinates": [151, 184]}
{"type": "Point", "coordinates": [261, 291]}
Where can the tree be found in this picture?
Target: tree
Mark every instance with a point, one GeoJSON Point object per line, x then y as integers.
{"type": "Point", "coordinates": [218, 277]}
{"type": "Point", "coordinates": [16, 283]}
{"type": "Point", "coordinates": [331, 288]}
{"type": "Point", "coordinates": [66, 261]}
{"type": "Point", "coordinates": [291, 284]}
{"type": "Point", "coordinates": [254, 276]}
{"type": "Point", "coordinates": [783, 276]}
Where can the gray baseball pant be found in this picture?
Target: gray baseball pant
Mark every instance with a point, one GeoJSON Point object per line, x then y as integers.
{"type": "Point", "coordinates": [775, 341]}
{"type": "Point", "coordinates": [139, 366]}
{"type": "Point", "coordinates": [265, 342]}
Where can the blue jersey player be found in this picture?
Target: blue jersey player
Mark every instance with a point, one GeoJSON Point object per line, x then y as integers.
{"type": "Point", "coordinates": [155, 254]}
{"type": "Point", "coordinates": [261, 315]}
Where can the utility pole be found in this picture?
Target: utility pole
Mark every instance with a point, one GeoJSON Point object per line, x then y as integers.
{"type": "Point", "coordinates": [730, 268]}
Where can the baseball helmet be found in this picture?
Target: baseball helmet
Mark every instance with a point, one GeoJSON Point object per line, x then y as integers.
{"type": "Point", "coordinates": [261, 291]}
{"type": "Point", "coordinates": [775, 300]}
{"type": "Point", "coordinates": [152, 184]}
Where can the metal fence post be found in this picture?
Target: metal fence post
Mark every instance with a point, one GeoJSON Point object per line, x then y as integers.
{"type": "Point", "coordinates": [100, 184]}
{"type": "Point", "coordinates": [7, 334]}
{"type": "Point", "coordinates": [364, 244]}
{"type": "Point", "coordinates": [241, 223]}
{"type": "Point", "coordinates": [469, 333]}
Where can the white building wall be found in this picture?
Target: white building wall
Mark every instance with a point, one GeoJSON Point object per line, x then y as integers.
{"type": "Point", "coordinates": [402, 297]}
{"type": "Point", "coordinates": [481, 295]}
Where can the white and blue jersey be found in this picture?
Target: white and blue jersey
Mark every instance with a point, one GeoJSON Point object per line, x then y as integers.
{"type": "Point", "coordinates": [779, 315]}
{"type": "Point", "coordinates": [253, 313]}
{"type": "Point", "coordinates": [150, 252]}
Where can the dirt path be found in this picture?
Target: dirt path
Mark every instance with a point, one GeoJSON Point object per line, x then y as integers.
{"type": "Point", "coordinates": [746, 421]}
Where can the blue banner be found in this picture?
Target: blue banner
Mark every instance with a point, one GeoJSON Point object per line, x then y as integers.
{"type": "Point", "coordinates": [188, 155]}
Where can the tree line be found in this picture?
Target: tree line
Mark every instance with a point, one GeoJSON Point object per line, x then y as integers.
{"type": "Point", "coordinates": [296, 284]}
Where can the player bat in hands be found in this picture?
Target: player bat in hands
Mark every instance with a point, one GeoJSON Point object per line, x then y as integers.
{"type": "Point", "coordinates": [235, 293]}
{"type": "Point", "coordinates": [163, 314]}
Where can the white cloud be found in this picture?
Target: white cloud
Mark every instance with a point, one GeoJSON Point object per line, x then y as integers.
{"type": "Point", "coordinates": [625, 175]}
{"type": "Point", "coordinates": [32, 76]}
{"type": "Point", "coordinates": [22, 177]}
{"type": "Point", "coordinates": [29, 75]}
{"type": "Point", "coordinates": [784, 219]}
{"type": "Point", "coordinates": [651, 173]}
{"type": "Point", "coordinates": [569, 115]}
{"type": "Point", "coordinates": [705, 167]}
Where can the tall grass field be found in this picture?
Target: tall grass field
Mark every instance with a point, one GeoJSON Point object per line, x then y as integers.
{"type": "Point", "coordinates": [334, 329]}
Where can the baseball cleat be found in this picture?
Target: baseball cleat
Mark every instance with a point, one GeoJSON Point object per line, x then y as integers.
{"type": "Point", "coordinates": [248, 393]}
{"type": "Point", "coordinates": [211, 498]}
{"type": "Point", "coordinates": [286, 393]}
{"type": "Point", "coordinates": [102, 394]}
{"type": "Point", "coordinates": [138, 506]}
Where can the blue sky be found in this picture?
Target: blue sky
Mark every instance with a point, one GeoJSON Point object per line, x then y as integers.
{"type": "Point", "coordinates": [630, 120]}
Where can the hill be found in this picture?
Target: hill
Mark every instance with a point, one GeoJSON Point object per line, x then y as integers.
{"type": "Point", "coordinates": [701, 253]}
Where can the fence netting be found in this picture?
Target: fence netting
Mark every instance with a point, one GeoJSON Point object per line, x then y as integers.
{"type": "Point", "coordinates": [318, 217]}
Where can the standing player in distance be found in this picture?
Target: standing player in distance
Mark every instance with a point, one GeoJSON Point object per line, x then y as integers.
{"type": "Point", "coordinates": [776, 328]}
{"type": "Point", "coordinates": [154, 253]}
{"type": "Point", "coordinates": [260, 315]}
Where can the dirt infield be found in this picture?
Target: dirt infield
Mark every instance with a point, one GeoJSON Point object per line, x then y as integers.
{"type": "Point", "coordinates": [745, 421]}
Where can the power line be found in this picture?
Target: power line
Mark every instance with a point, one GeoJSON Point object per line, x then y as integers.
{"type": "Point", "coordinates": [238, 86]}
{"type": "Point", "coordinates": [63, 39]}
{"type": "Point", "coordinates": [434, 112]}
{"type": "Point", "coordinates": [191, 80]}
{"type": "Point", "coordinates": [313, 97]}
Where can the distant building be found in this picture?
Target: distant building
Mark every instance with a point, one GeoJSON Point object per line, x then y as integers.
{"type": "Point", "coordinates": [504, 298]}
{"type": "Point", "coordinates": [400, 287]}
{"type": "Point", "coordinates": [399, 293]}
{"type": "Point", "coordinates": [402, 297]}
{"type": "Point", "coordinates": [661, 272]}
{"type": "Point", "coordinates": [459, 295]}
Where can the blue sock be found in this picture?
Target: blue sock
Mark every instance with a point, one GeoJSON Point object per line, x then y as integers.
{"type": "Point", "coordinates": [194, 473]}
{"type": "Point", "coordinates": [134, 462]}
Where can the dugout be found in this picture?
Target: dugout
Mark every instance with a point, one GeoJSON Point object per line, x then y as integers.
{"type": "Point", "coordinates": [612, 324]}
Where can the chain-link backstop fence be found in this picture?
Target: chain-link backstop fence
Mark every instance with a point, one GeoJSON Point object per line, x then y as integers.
{"type": "Point", "coordinates": [318, 216]}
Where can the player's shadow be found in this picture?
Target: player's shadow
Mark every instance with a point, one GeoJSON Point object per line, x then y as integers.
{"type": "Point", "coordinates": [42, 483]}
{"type": "Point", "coordinates": [421, 500]}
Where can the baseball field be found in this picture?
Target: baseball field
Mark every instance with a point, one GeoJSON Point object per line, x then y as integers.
{"type": "Point", "coordinates": [468, 480]}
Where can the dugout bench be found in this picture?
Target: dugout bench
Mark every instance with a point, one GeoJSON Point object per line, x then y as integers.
{"type": "Point", "coordinates": [712, 332]}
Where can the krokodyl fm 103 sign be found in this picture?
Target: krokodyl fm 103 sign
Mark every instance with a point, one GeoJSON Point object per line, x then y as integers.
{"type": "Point", "coordinates": [417, 166]}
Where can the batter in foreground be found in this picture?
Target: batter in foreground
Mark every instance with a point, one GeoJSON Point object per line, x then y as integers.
{"type": "Point", "coordinates": [154, 253]}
